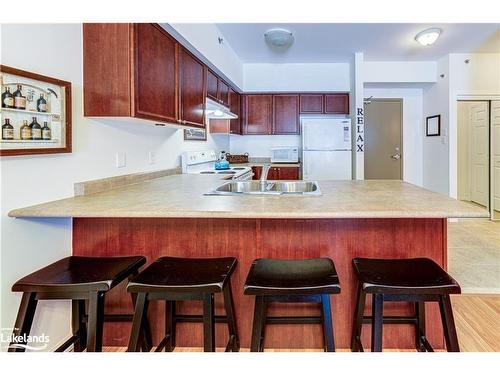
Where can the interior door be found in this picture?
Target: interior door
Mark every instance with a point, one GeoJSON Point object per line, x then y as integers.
{"type": "Point", "coordinates": [479, 153]}
{"type": "Point", "coordinates": [495, 158]}
{"type": "Point", "coordinates": [383, 141]}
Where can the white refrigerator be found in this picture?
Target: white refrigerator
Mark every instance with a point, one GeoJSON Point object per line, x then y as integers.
{"type": "Point", "coordinates": [326, 149]}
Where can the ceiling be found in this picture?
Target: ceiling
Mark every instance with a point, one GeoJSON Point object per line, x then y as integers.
{"type": "Point", "coordinates": [328, 42]}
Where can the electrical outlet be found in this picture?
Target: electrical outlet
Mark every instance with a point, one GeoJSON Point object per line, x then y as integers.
{"type": "Point", "coordinates": [152, 157]}
{"type": "Point", "coordinates": [121, 159]}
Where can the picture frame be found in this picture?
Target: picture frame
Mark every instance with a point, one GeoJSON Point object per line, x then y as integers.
{"type": "Point", "coordinates": [433, 126]}
{"type": "Point", "coordinates": [55, 113]}
{"type": "Point", "coordinates": [193, 134]}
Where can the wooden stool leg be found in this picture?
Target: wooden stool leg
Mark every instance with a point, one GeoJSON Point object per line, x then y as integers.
{"type": "Point", "coordinates": [357, 323]}
{"type": "Point", "coordinates": [326, 313]}
{"type": "Point", "coordinates": [208, 323]}
{"type": "Point", "coordinates": [140, 312]}
{"type": "Point", "coordinates": [420, 326]}
{"type": "Point", "coordinates": [79, 327]}
{"type": "Point", "coordinates": [377, 322]}
{"type": "Point", "coordinates": [450, 333]}
{"type": "Point", "coordinates": [258, 324]}
{"type": "Point", "coordinates": [170, 325]}
{"type": "Point", "coordinates": [96, 321]}
{"type": "Point", "coordinates": [145, 336]}
{"type": "Point", "coordinates": [24, 319]}
{"type": "Point", "coordinates": [231, 318]}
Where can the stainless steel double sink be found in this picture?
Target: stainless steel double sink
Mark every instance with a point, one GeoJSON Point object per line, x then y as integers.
{"type": "Point", "coordinates": [300, 188]}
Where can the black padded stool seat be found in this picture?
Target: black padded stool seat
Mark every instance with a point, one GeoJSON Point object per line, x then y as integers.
{"type": "Point", "coordinates": [292, 280]}
{"type": "Point", "coordinates": [398, 275]}
{"type": "Point", "coordinates": [182, 279]}
{"type": "Point", "coordinates": [204, 275]}
{"type": "Point", "coordinates": [416, 280]}
{"type": "Point", "coordinates": [288, 276]}
{"type": "Point", "coordinates": [77, 273]}
{"type": "Point", "coordinates": [85, 281]}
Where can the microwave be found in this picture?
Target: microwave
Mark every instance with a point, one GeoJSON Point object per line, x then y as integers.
{"type": "Point", "coordinates": [285, 154]}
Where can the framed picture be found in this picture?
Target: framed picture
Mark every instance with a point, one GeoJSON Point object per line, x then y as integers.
{"type": "Point", "coordinates": [195, 134]}
{"type": "Point", "coordinates": [433, 126]}
{"type": "Point", "coordinates": [35, 113]}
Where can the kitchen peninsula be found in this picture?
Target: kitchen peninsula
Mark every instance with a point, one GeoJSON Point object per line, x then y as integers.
{"type": "Point", "coordinates": [171, 216]}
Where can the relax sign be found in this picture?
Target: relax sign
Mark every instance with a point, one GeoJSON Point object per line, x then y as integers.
{"type": "Point", "coordinates": [360, 129]}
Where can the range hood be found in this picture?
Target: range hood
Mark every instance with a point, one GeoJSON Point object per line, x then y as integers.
{"type": "Point", "coordinates": [217, 111]}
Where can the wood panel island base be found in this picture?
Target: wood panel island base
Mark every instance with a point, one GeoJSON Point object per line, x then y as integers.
{"type": "Point", "coordinates": [247, 239]}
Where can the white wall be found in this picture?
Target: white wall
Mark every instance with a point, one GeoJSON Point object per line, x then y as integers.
{"type": "Point", "coordinates": [412, 128]}
{"type": "Point", "coordinates": [205, 38]}
{"type": "Point", "coordinates": [296, 77]}
{"type": "Point", "coordinates": [399, 71]}
{"type": "Point", "coordinates": [260, 145]}
{"type": "Point", "coordinates": [435, 149]}
{"type": "Point", "coordinates": [28, 244]}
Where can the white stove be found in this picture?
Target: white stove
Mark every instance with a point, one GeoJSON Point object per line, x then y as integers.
{"type": "Point", "coordinates": [203, 162]}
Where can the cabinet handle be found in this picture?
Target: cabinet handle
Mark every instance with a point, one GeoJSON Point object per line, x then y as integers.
{"type": "Point", "coordinates": [179, 121]}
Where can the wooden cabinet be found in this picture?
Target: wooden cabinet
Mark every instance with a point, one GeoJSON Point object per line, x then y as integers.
{"type": "Point", "coordinates": [278, 173]}
{"type": "Point", "coordinates": [223, 93]}
{"type": "Point", "coordinates": [334, 103]}
{"type": "Point", "coordinates": [212, 85]}
{"type": "Point", "coordinates": [235, 107]}
{"type": "Point", "coordinates": [257, 114]}
{"type": "Point", "coordinates": [155, 72]}
{"type": "Point", "coordinates": [311, 103]}
{"type": "Point", "coordinates": [286, 114]}
{"type": "Point", "coordinates": [192, 89]}
{"type": "Point", "coordinates": [337, 103]}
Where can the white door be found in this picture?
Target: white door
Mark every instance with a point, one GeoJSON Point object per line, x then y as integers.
{"type": "Point", "coordinates": [327, 165]}
{"type": "Point", "coordinates": [495, 154]}
{"type": "Point", "coordinates": [326, 134]}
{"type": "Point", "coordinates": [479, 153]}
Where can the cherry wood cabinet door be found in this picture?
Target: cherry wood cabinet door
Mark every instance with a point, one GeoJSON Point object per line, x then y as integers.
{"type": "Point", "coordinates": [311, 103]}
{"type": "Point", "coordinates": [257, 172]}
{"type": "Point", "coordinates": [273, 174]}
{"type": "Point", "coordinates": [235, 107]}
{"type": "Point", "coordinates": [337, 103]}
{"type": "Point", "coordinates": [258, 114]}
{"type": "Point", "coordinates": [224, 93]}
{"type": "Point", "coordinates": [286, 114]}
{"type": "Point", "coordinates": [212, 85]}
{"type": "Point", "coordinates": [156, 94]}
{"type": "Point", "coordinates": [288, 173]}
{"type": "Point", "coordinates": [192, 89]}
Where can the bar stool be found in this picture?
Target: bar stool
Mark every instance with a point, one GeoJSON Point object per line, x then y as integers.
{"type": "Point", "coordinates": [417, 280]}
{"type": "Point", "coordinates": [82, 280]}
{"type": "Point", "coordinates": [183, 279]}
{"type": "Point", "coordinates": [277, 280]}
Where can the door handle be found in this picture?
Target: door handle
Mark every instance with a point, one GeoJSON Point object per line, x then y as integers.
{"type": "Point", "coordinates": [396, 156]}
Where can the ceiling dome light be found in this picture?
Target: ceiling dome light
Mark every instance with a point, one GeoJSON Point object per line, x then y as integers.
{"type": "Point", "coordinates": [428, 37]}
{"type": "Point", "coordinates": [279, 37]}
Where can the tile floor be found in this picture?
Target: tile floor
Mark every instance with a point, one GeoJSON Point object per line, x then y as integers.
{"type": "Point", "coordinates": [474, 254]}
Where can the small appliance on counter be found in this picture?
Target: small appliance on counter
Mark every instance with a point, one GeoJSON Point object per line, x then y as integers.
{"type": "Point", "coordinates": [205, 162]}
{"type": "Point", "coordinates": [222, 163]}
{"type": "Point", "coordinates": [288, 154]}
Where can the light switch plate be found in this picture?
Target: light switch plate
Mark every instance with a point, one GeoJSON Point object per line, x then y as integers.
{"type": "Point", "coordinates": [152, 157]}
{"type": "Point", "coordinates": [121, 159]}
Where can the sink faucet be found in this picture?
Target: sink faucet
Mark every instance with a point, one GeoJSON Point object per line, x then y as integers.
{"type": "Point", "coordinates": [263, 176]}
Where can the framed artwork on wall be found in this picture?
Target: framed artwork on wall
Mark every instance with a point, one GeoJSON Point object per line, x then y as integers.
{"type": "Point", "coordinates": [35, 113]}
{"type": "Point", "coordinates": [433, 126]}
{"type": "Point", "coordinates": [195, 134]}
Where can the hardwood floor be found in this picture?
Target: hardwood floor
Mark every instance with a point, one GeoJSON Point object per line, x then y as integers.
{"type": "Point", "coordinates": [476, 318]}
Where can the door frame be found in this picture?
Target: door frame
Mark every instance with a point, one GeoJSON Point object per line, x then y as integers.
{"type": "Point", "coordinates": [401, 149]}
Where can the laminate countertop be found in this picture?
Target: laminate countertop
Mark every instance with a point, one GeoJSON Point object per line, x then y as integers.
{"type": "Point", "coordinates": [183, 196]}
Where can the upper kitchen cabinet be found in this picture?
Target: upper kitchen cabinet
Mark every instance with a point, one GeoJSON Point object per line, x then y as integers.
{"type": "Point", "coordinates": [286, 114]}
{"type": "Point", "coordinates": [130, 70]}
{"type": "Point", "coordinates": [337, 103]}
{"type": "Point", "coordinates": [235, 107]}
{"type": "Point", "coordinates": [212, 85]}
{"type": "Point", "coordinates": [192, 89]}
{"type": "Point", "coordinates": [224, 93]}
{"type": "Point", "coordinates": [311, 103]}
{"type": "Point", "coordinates": [257, 114]}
